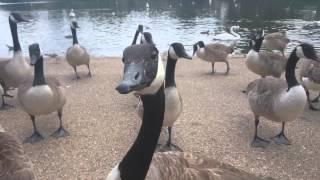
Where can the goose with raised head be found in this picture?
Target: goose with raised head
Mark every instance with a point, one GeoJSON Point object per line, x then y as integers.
{"type": "Point", "coordinates": [141, 161]}
{"type": "Point", "coordinates": [14, 71]}
{"type": "Point", "coordinates": [213, 53]}
{"type": "Point", "coordinates": [277, 99]}
{"type": "Point", "coordinates": [276, 41]}
{"type": "Point", "coordinates": [15, 165]}
{"type": "Point", "coordinates": [310, 78]}
{"type": "Point", "coordinates": [41, 96]}
{"type": "Point", "coordinates": [76, 54]}
{"type": "Point", "coordinates": [264, 63]}
{"type": "Point", "coordinates": [231, 35]}
{"type": "Point", "coordinates": [173, 100]}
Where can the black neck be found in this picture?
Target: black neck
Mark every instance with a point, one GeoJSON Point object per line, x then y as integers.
{"type": "Point", "coordinates": [38, 73]}
{"type": "Point", "coordinates": [135, 164]}
{"type": "Point", "coordinates": [290, 70]}
{"type": "Point", "coordinates": [14, 34]}
{"type": "Point", "coordinates": [135, 38]}
{"type": "Point", "coordinates": [257, 45]}
{"type": "Point", "coordinates": [74, 36]}
{"type": "Point", "coordinates": [170, 71]}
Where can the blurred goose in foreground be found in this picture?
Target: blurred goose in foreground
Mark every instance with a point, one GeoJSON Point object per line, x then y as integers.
{"type": "Point", "coordinates": [228, 36]}
{"type": "Point", "coordinates": [310, 78]}
{"type": "Point", "coordinates": [264, 63]}
{"type": "Point", "coordinates": [140, 162]}
{"type": "Point", "coordinates": [14, 71]}
{"type": "Point", "coordinates": [15, 165]}
{"type": "Point", "coordinates": [213, 53]}
{"type": "Point", "coordinates": [76, 54]}
{"type": "Point", "coordinates": [41, 96]}
{"type": "Point", "coordinates": [276, 41]}
{"type": "Point", "coordinates": [277, 99]}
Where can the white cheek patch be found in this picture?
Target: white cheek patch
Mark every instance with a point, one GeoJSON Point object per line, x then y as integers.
{"type": "Point", "coordinates": [13, 19]}
{"type": "Point", "coordinates": [300, 52]}
{"type": "Point", "coordinates": [143, 39]}
{"type": "Point", "coordinates": [157, 82]}
{"type": "Point", "coordinates": [172, 53]}
{"type": "Point", "coordinates": [114, 174]}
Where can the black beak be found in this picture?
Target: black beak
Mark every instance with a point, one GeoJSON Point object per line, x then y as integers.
{"type": "Point", "coordinates": [132, 79]}
{"type": "Point", "coordinates": [33, 59]}
{"type": "Point", "coordinates": [185, 55]}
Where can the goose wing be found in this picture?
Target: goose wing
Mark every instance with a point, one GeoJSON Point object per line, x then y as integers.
{"type": "Point", "coordinates": [216, 52]}
{"type": "Point", "coordinates": [278, 36]}
{"type": "Point", "coordinates": [314, 73]}
{"type": "Point", "coordinates": [59, 92]}
{"type": "Point", "coordinates": [14, 163]}
{"type": "Point", "coordinates": [188, 166]}
{"type": "Point", "coordinates": [274, 62]}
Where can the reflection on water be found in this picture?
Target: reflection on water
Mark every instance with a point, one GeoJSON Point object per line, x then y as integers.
{"type": "Point", "coordinates": [107, 27]}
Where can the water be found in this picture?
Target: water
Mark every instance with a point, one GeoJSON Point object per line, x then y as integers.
{"type": "Point", "coordinates": [107, 27]}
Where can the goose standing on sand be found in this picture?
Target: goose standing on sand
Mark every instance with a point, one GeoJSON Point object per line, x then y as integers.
{"type": "Point", "coordinates": [264, 63]}
{"type": "Point", "coordinates": [42, 96]}
{"type": "Point", "coordinates": [213, 53]}
{"type": "Point", "coordinates": [279, 100]}
{"type": "Point", "coordinates": [144, 73]}
{"type": "Point", "coordinates": [76, 54]}
{"type": "Point", "coordinates": [16, 70]}
{"type": "Point", "coordinates": [310, 78]}
{"type": "Point", "coordinates": [15, 165]}
{"type": "Point", "coordinates": [228, 36]}
{"type": "Point", "coordinates": [276, 41]}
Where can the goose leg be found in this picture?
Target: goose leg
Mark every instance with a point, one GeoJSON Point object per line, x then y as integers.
{"type": "Point", "coordinates": [36, 136]}
{"type": "Point", "coordinates": [4, 105]}
{"type": "Point", "coordinates": [316, 99]}
{"type": "Point", "coordinates": [75, 70]}
{"type": "Point", "coordinates": [212, 65]}
{"type": "Point", "coordinates": [257, 141]}
{"type": "Point", "coordinates": [169, 146]}
{"type": "Point", "coordinates": [89, 74]}
{"type": "Point", "coordinates": [310, 102]}
{"type": "Point", "coordinates": [281, 138]}
{"type": "Point", "coordinates": [60, 132]}
{"type": "Point", "coordinates": [228, 68]}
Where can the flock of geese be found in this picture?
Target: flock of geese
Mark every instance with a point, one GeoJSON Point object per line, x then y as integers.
{"type": "Point", "coordinates": [154, 83]}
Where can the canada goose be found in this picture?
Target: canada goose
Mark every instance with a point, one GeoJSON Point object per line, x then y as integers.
{"type": "Point", "coordinates": [264, 63]}
{"type": "Point", "coordinates": [15, 165]}
{"type": "Point", "coordinates": [279, 100]}
{"type": "Point", "coordinates": [15, 70]}
{"type": "Point", "coordinates": [276, 41]}
{"type": "Point", "coordinates": [173, 100]}
{"type": "Point", "coordinates": [76, 54]}
{"type": "Point", "coordinates": [138, 31]}
{"type": "Point", "coordinates": [72, 15]}
{"type": "Point", "coordinates": [141, 162]}
{"type": "Point", "coordinates": [42, 96]}
{"type": "Point", "coordinates": [228, 36]}
{"type": "Point", "coordinates": [146, 37]}
{"type": "Point", "coordinates": [310, 78]}
{"type": "Point", "coordinates": [213, 53]}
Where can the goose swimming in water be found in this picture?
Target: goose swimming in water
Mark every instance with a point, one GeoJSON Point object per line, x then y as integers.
{"type": "Point", "coordinates": [76, 54]}
{"type": "Point", "coordinates": [277, 99]}
{"type": "Point", "coordinates": [41, 96]}
{"type": "Point", "coordinates": [144, 74]}
{"type": "Point", "coordinates": [228, 36]}
{"type": "Point", "coordinates": [14, 71]}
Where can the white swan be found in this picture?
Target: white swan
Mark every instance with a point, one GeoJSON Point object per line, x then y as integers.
{"type": "Point", "coordinates": [228, 36]}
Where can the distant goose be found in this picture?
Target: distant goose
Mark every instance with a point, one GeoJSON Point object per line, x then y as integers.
{"type": "Point", "coordinates": [213, 53]}
{"type": "Point", "coordinates": [41, 96]}
{"type": "Point", "coordinates": [76, 54]}
{"type": "Point", "coordinates": [310, 77]}
{"type": "Point", "coordinates": [228, 36]}
{"type": "Point", "coordinates": [276, 41]}
{"type": "Point", "coordinates": [15, 165]}
{"type": "Point", "coordinates": [264, 63]}
{"type": "Point", "coordinates": [140, 162]}
{"type": "Point", "coordinates": [279, 100]}
{"type": "Point", "coordinates": [72, 15]}
{"type": "Point", "coordinates": [14, 71]}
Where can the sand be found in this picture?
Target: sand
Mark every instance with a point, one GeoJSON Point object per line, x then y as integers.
{"type": "Point", "coordinates": [216, 122]}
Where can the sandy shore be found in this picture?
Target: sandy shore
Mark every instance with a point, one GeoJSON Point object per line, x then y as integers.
{"type": "Point", "coordinates": [216, 122]}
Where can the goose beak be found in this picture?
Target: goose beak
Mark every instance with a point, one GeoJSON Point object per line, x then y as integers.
{"type": "Point", "coordinates": [186, 56]}
{"type": "Point", "coordinates": [132, 79]}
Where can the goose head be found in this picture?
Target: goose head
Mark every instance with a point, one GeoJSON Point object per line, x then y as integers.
{"type": "Point", "coordinates": [306, 50]}
{"type": "Point", "coordinates": [256, 40]}
{"type": "Point", "coordinates": [176, 51]}
{"type": "Point", "coordinates": [143, 70]}
{"type": "Point", "coordinates": [35, 53]}
{"type": "Point", "coordinates": [146, 38]}
{"type": "Point", "coordinates": [198, 45]}
{"type": "Point", "coordinates": [16, 18]}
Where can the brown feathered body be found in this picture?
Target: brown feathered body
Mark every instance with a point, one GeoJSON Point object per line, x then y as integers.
{"type": "Point", "coordinates": [276, 41]}
{"type": "Point", "coordinates": [77, 55]}
{"type": "Point", "coordinates": [214, 52]}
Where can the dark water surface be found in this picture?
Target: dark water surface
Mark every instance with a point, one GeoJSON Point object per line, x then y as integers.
{"type": "Point", "coordinates": [107, 27]}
